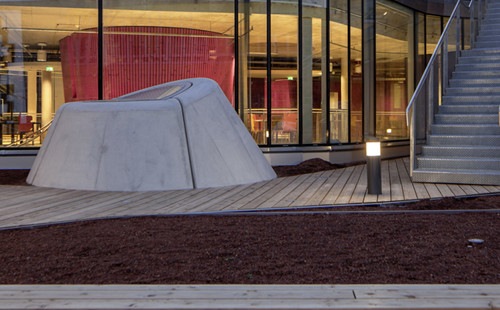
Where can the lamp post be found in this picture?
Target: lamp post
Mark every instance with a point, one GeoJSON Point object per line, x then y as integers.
{"type": "Point", "coordinates": [373, 166]}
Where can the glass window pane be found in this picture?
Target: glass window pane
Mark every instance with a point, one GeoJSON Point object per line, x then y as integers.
{"type": "Point", "coordinates": [314, 71]}
{"type": "Point", "coordinates": [393, 45]}
{"type": "Point", "coordinates": [356, 72]}
{"type": "Point", "coordinates": [37, 71]}
{"type": "Point", "coordinates": [149, 42]}
{"type": "Point", "coordinates": [253, 68]}
{"type": "Point", "coordinates": [340, 75]}
{"type": "Point", "coordinates": [284, 72]}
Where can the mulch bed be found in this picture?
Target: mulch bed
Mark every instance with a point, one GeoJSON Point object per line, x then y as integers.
{"type": "Point", "coordinates": [256, 249]}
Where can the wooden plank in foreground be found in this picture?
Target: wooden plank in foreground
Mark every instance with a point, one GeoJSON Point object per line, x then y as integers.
{"type": "Point", "coordinates": [249, 297]}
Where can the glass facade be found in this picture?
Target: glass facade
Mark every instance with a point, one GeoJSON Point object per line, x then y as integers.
{"type": "Point", "coordinates": [292, 69]}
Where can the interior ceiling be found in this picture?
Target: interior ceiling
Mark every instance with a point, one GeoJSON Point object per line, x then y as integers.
{"type": "Point", "coordinates": [29, 25]}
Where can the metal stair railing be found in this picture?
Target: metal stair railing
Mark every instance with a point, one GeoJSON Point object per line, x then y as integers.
{"type": "Point", "coordinates": [434, 80]}
{"type": "Point", "coordinates": [30, 137]}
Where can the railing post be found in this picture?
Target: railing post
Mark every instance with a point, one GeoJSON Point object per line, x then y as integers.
{"type": "Point", "coordinates": [413, 156]}
{"type": "Point", "coordinates": [479, 14]}
{"type": "Point", "coordinates": [472, 25]}
{"type": "Point", "coordinates": [458, 32]}
{"type": "Point", "coordinates": [444, 70]}
{"type": "Point", "coordinates": [430, 102]}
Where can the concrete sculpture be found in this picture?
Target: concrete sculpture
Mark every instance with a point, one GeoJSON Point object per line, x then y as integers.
{"type": "Point", "coordinates": [178, 135]}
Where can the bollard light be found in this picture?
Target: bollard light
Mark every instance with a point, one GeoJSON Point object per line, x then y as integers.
{"type": "Point", "coordinates": [372, 148]}
{"type": "Point", "coordinates": [373, 166]}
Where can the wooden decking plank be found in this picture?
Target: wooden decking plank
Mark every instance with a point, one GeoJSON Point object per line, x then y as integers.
{"type": "Point", "coordinates": [44, 203]}
{"type": "Point", "coordinates": [332, 177]}
{"type": "Point", "coordinates": [299, 189]}
{"type": "Point", "coordinates": [409, 192]}
{"type": "Point", "coordinates": [469, 190]}
{"type": "Point", "coordinates": [250, 193]}
{"type": "Point", "coordinates": [314, 185]}
{"type": "Point", "coordinates": [192, 201]}
{"type": "Point", "coordinates": [264, 198]}
{"type": "Point", "coordinates": [350, 186]}
{"type": "Point", "coordinates": [213, 205]}
{"type": "Point", "coordinates": [480, 189]}
{"type": "Point", "coordinates": [396, 187]}
{"type": "Point", "coordinates": [142, 203]}
{"type": "Point", "coordinates": [215, 303]}
{"type": "Point", "coordinates": [445, 190]}
{"type": "Point", "coordinates": [386, 182]}
{"type": "Point", "coordinates": [117, 206]}
{"type": "Point", "coordinates": [90, 210]}
{"type": "Point", "coordinates": [266, 201]}
{"type": "Point", "coordinates": [490, 188]}
{"type": "Point", "coordinates": [12, 192]}
{"type": "Point", "coordinates": [260, 195]}
{"type": "Point", "coordinates": [420, 189]}
{"type": "Point", "coordinates": [27, 198]}
{"type": "Point", "coordinates": [358, 196]}
{"type": "Point", "coordinates": [50, 211]}
{"type": "Point", "coordinates": [456, 190]}
{"type": "Point", "coordinates": [433, 190]}
{"type": "Point", "coordinates": [337, 188]}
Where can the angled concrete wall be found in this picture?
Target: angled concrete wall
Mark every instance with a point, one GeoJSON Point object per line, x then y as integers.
{"type": "Point", "coordinates": [189, 138]}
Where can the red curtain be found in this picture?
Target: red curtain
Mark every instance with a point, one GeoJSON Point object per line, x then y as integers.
{"type": "Point", "coordinates": [139, 57]}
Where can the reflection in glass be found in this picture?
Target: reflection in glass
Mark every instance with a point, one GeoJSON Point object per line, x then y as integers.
{"type": "Point", "coordinates": [253, 68]}
{"type": "Point", "coordinates": [394, 69]}
{"type": "Point", "coordinates": [356, 71]}
{"type": "Point", "coordinates": [284, 73]}
{"type": "Point", "coordinates": [148, 44]}
{"type": "Point", "coordinates": [340, 75]}
{"type": "Point", "coordinates": [33, 72]}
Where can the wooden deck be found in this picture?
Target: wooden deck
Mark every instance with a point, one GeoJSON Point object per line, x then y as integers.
{"type": "Point", "coordinates": [28, 205]}
{"type": "Point", "coordinates": [249, 297]}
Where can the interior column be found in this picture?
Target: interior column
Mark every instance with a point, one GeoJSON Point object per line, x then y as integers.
{"type": "Point", "coordinates": [47, 98]}
{"type": "Point", "coordinates": [307, 81]}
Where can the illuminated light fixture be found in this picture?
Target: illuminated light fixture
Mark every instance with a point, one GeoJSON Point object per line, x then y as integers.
{"type": "Point", "coordinates": [49, 69]}
{"type": "Point", "coordinates": [385, 13]}
{"type": "Point", "coordinates": [373, 166]}
{"type": "Point", "coordinates": [389, 130]}
{"type": "Point", "coordinates": [267, 133]}
{"type": "Point", "coordinates": [41, 54]}
{"type": "Point", "coordinates": [372, 148]}
{"type": "Point", "coordinates": [290, 78]}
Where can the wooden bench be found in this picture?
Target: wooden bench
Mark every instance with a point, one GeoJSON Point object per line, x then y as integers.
{"type": "Point", "coordinates": [249, 297]}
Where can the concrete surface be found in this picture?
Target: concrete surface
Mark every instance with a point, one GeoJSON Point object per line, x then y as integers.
{"type": "Point", "coordinates": [189, 138]}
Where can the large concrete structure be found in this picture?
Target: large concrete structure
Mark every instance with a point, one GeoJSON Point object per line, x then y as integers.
{"type": "Point", "coordinates": [178, 135]}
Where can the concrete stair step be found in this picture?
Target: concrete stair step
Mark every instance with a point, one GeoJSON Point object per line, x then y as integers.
{"type": "Point", "coordinates": [479, 177]}
{"type": "Point", "coordinates": [488, 44]}
{"type": "Point", "coordinates": [471, 100]}
{"type": "Point", "coordinates": [475, 74]}
{"type": "Point", "coordinates": [468, 109]}
{"type": "Point", "coordinates": [477, 67]}
{"type": "Point", "coordinates": [481, 52]}
{"type": "Point", "coordinates": [468, 163]}
{"type": "Point", "coordinates": [458, 151]}
{"type": "Point", "coordinates": [461, 129]}
{"type": "Point", "coordinates": [479, 59]}
{"type": "Point", "coordinates": [463, 140]}
{"type": "Point", "coordinates": [473, 91]}
{"type": "Point", "coordinates": [467, 119]}
{"type": "Point", "coordinates": [458, 82]}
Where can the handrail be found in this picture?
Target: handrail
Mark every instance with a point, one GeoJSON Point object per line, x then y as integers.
{"type": "Point", "coordinates": [30, 136]}
{"type": "Point", "coordinates": [439, 70]}
{"type": "Point", "coordinates": [433, 58]}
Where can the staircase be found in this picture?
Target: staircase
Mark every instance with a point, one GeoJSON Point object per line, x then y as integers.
{"type": "Point", "coordinates": [464, 143]}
